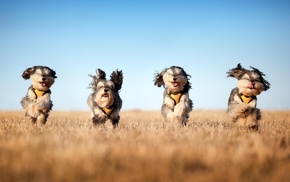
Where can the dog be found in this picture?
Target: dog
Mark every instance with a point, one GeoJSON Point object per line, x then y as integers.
{"type": "Point", "coordinates": [37, 103]}
{"type": "Point", "coordinates": [176, 104]}
{"type": "Point", "coordinates": [243, 99]}
{"type": "Point", "coordinates": [105, 101]}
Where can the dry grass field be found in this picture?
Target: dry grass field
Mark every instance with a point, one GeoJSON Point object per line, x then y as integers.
{"type": "Point", "coordinates": [144, 148]}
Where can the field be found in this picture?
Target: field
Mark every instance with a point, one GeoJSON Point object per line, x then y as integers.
{"type": "Point", "coordinates": [144, 148]}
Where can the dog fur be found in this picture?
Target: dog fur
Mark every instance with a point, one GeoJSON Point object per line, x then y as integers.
{"type": "Point", "coordinates": [105, 101]}
{"type": "Point", "coordinates": [37, 103]}
{"type": "Point", "coordinates": [243, 99]}
{"type": "Point", "coordinates": [176, 104]}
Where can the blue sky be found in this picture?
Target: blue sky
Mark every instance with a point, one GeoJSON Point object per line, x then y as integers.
{"type": "Point", "coordinates": [206, 38]}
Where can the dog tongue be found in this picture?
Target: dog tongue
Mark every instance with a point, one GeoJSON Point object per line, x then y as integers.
{"type": "Point", "coordinates": [175, 84]}
{"type": "Point", "coordinates": [43, 84]}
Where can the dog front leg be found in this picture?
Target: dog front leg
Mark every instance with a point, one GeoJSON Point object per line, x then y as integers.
{"type": "Point", "coordinates": [237, 110]}
{"type": "Point", "coordinates": [167, 113]}
{"type": "Point", "coordinates": [31, 110]}
{"type": "Point", "coordinates": [115, 121]}
{"type": "Point", "coordinates": [99, 119]}
{"type": "Point", "coordinates": [31, 119]}
{"type": "Point", "coordinates": [41, 119]}
{"type": "Point", "coordinates": [181, 111]}
{"type": "Point", "coordinates": [253, 118]}
{"type": "Point", "coordinates": [44, 103]}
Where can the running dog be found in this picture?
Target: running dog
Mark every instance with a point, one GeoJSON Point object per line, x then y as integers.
{"type": "Point", "coordinates": [176, 102]}
{"type": "Point", "coordinates": [105, 101]}
{"type": "Point", "coordinates": [37, 103]}
{"type": "Point", "coordinates": [243, 99]}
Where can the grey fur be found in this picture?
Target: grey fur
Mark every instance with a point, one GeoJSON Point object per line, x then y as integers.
{"type": "Point", "coordinates": [111, 88]}
{"type": "Point", "coordinates": [170, 110]}
{"type": "Point", "coordinates": [242, 101]}
{"type": "Point", "coordinates": [37, 107]}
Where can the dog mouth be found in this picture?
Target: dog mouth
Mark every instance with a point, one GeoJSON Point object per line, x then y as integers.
{"type": "Point", "coordinates": [43, 84]}
{"type": "Point", "coordinates": [105, 95]}
{"type": "Point", "coordinates": [175, 84]}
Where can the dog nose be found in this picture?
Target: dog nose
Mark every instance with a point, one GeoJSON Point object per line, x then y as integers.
{"type": "Point", "coordinates": [174, 79]}
{"type": "Point", "coordinates": [43, 78]}
{"type": "Point", "coordinates": [106, 90]}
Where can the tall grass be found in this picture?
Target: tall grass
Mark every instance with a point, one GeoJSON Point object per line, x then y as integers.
{"type": "Point", "coordinates": [144, 148]}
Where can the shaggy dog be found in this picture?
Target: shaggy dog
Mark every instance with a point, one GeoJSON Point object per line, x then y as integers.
{"type": "Point", "coordinates": [37, 103]}
{"type": "Point", "coordinates": [242, 101]}
{"type": "Point", "coordinates": [105, 101]}
{"type": "Point", "coordinates": [176, 103]}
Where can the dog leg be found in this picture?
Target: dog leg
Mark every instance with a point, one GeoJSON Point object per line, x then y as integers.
{"type": "Point", "coordinates": [248, 117]}
{"type": "Point", "coordinates": [32, 119]}
{"type": "Point", "coordinates": [184, 120]}
{"type": "Point", "coordinates": [41, 119]}
{"type": "Point", "coordinates": [115, 121]}
{"type": "Point", "coordinates": [167, 113]}
{"type": "Point", "coordinates": [99, 119]}
{"type": "Point", "coordinates": [252, 120]}
{"type": "Point", "coordinates": [31, 110]}
{"type": "Point", "coordinates": [30, 113]}
{"type": "Point", "coordinates": [181, 111]}
{"type": "Point", "coordinates": [237, 111]}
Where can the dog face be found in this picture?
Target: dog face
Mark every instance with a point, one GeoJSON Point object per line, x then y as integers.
{"type": "Point", "coordinates": [250, 82]}
{"type": "Point", "coordinates": [42, 77]}
{"type": "Point", "coordinates": [105, 89]}
{"type": "Point", "coordinates": [174, 79]}
{"type": "Point", "coordinates": [104, 93]}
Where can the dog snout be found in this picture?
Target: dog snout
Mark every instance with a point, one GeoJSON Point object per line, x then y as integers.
{"type": "Point", "coordinates": [106, 90]}
{"type": "Point", "coordinates": [174, 79]}
{"type": "Point", "coordinates": [43, 78]}
{"type": "Point", "coordinates": [253, 83]}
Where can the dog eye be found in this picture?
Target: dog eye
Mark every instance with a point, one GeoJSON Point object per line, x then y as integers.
{"type": "Point", "coordinates": [245, 79]}
{"type": "Point", "coordinates": [99, 87]}
{"type": "Point", "coordinates": [43, 75]}
{"type": "Point", "coordinates": [38, 74]}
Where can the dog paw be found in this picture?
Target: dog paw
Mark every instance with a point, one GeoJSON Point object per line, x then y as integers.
{"type": "Point", "coordinates": [32, 120]}
{"type": "Point", "coordinates": [170, 117]}
{"type": "Point", "coordinates": [115, 121]}
{"type": "Point", "coordinates": [254, 127]}
{"type": "Point", "coordinates": [249, 110]}
{"type": "Point", "coordinates": [99, 119]}
{"type": "Point", "coordinates": [184, 122]}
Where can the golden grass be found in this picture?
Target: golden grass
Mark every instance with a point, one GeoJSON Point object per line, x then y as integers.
{"type": "Point", "coordinates": [144, 148]}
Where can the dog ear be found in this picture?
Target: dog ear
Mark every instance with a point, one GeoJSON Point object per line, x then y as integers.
{"type": "Point", "coordinates": [101, 74]}
{"type": "Point", "coordinates": [187, 86]}
{"type": "Point", "coordinates": [29, 71]}
{"type": "Point", "coordinates": [53, 73]}
{"type": "Point", "coordinates": [117, 79]}
{"type": "Point", "coordinates": [158, 80]}
{"type": "Point", "coordinates": [236, 72]}
{"type": "Point", "coordinates": [93, 84]}
{"type": "Point", "coordinates": [265, 83]}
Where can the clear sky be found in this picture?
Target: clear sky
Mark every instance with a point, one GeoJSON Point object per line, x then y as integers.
{"type": "Point", "coordinates": [206, 38]}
